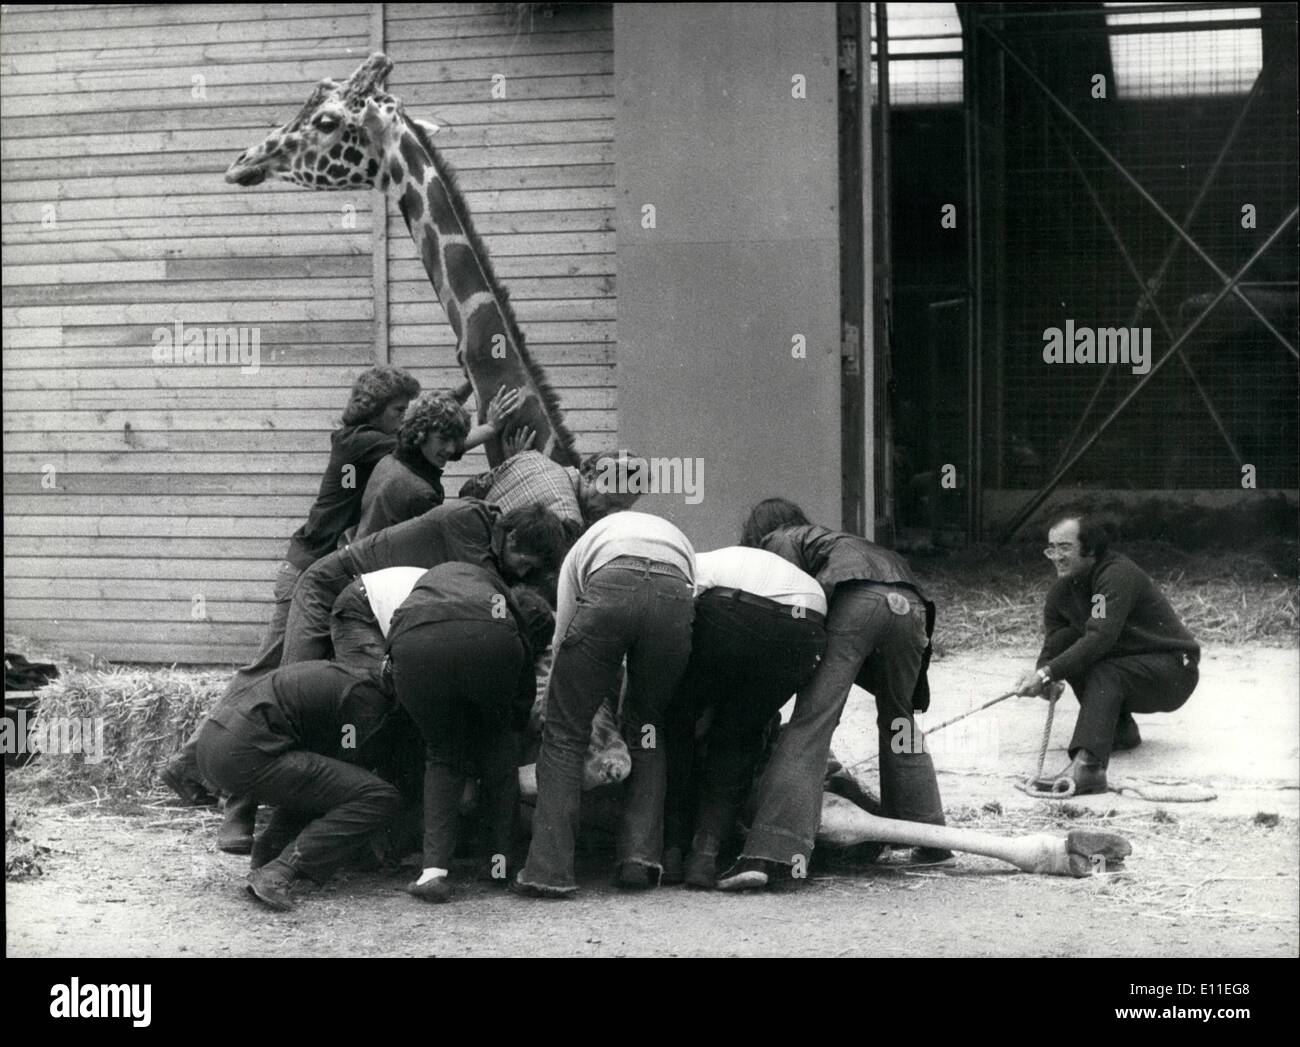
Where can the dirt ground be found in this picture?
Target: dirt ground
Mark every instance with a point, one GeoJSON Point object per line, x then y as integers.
{"type": "Point", "coordinates": [1205, 879]}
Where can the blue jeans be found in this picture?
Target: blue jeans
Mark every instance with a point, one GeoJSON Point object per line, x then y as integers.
{"type": "Point", "coordinates": [624, 612]}
{"type": "Point", "coordinates": [875, 637]}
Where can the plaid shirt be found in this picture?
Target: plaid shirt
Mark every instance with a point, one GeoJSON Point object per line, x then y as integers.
{"type": "Point", "coordinates": [530, 478]}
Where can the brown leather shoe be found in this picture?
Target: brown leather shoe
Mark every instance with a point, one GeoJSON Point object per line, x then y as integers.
{"type": "Point", "coordinates": [436, 890]}
{"type": "Point", "coordinates": [271, 884]}
{"type": "Point", "coordinates": [1086, 772]}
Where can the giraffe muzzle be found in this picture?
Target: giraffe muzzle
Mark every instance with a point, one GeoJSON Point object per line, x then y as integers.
{"type": "Point", "coordinates": [246, 174]}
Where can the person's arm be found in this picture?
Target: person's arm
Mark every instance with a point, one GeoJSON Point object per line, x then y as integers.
{"type": "Point", "coordinates": [1118, 589]}
{"type": "Point", "coordinates": [504, 404]}
{"type": "Point", "coordinates": [1058, 631]}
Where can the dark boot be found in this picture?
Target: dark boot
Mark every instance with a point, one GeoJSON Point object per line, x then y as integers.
{"type": "Point", "coordinates": [701, 870]}
{"type": "Point", "coordinates": [271, 884]}
{"type": "Point", "coordinates": [236, 833]}
{"type": "Point", "coordinates": [1086, 772]}
{"type": "Point", "coordinates": [909, 790]}
{"type": "Point", "coordinates": [181, 775]}
{"type": "Point", "coordinates": [1127, 735]}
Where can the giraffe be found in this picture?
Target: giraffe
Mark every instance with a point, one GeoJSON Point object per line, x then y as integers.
{"type": "Point", "coordinates": [355, 135]}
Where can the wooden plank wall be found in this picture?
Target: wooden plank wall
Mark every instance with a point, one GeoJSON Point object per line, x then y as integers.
{"type": "Point", "coordinates": [135, 491]}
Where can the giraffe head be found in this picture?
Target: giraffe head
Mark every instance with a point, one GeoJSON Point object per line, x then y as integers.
{"type": "Point", "coordinates": [339, 140]}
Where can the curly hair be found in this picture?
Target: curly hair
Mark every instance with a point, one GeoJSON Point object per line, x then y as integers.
{"type": "Point", "coordinates": [374, 389]}
{"type": "Point", "coordinates": [771, 514]}
{"type": "Point", "coordinates": [432, 412]}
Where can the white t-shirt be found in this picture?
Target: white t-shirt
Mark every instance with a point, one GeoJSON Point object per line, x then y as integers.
{"type": "Point", "coordinates": [388, 589]}
{"type": "Point", "coordinates": [760, 573]}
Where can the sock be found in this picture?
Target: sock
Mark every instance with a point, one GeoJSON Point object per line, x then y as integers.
{"type": "Point", "coordinates": [431, 873]}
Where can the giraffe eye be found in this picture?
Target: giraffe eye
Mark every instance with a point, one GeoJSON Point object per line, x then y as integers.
{"type": "Point", "coordinates": [326, 122]}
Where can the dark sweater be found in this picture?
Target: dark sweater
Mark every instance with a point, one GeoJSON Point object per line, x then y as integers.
{"type": "Point", "coordinates": [308, 705]}
{"type": "Point", "coordinates": [463, 530]}
{"type": "Point", "coordinates": [401, 488]}
{"type": "Point", "coordinates": [338, 503]}
{"type": "Point", "coordinates": [1138, 619]}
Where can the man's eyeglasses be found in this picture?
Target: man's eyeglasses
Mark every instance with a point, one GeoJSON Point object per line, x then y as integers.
{"type": "Point", "coordinates": [1060, 549]}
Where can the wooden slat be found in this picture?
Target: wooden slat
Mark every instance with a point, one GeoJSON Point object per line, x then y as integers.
{"type": "Point", "coordinates": [172, 480]}
{"type": "Point", "coordinates": [283, 97]}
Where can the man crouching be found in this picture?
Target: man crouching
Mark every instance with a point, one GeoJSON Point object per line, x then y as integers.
{"type": "Point", "coordinates": [300, 739]}
{"type": "Point", "coordinates": [1113, 636]}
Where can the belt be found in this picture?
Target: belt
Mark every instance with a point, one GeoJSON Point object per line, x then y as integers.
{"type": "Point", "coordinates": [644, 563]}
{"type": "Point", "coordinates": [741, 596]}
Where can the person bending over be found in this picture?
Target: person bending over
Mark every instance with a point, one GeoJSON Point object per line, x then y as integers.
{"type": "Point", "coordinates": [758, 633]}
{"type": "Point", "coordinates": [514, 545]}
{"type": "Point", "coordinates": [878, 627]}
{"type": "Point", "coordinates": [625, 591]}
{"type": "Point", "coordinates": [463, 647]}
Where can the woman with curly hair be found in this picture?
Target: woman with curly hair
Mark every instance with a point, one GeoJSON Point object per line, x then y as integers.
{"type": "Point", "coordinates": [435, 430]}
{"type": "Point", "coordinates": [374, 411]}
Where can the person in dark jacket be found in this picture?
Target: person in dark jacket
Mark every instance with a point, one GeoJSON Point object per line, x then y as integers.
{"type": "Point", "coordinates": [378, 401]}
{"type": "Point", "coordinates": [435, 430]}
{"type": "Point", "coordinates": [1113, 636]}
{"type": "Point", "coordinates": [463, 646]}
{"type": "Point", "coordinates": [878, 628]}
{"type": "Point", "coordinates": [300, 738]}
{"type": "Point", "coordinates": [757, 636]}
{"type": "Point", "coordinates": [514, 545]}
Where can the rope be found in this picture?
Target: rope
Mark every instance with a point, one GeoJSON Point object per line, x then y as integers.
{"type": "Point", "coordinates": [1047, 729]}
{"type": "Point", "coordinates": [1058, 788]}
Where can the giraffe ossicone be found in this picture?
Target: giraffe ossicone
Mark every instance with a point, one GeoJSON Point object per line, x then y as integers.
{"type": "Point", "coordinates": [355, 135]}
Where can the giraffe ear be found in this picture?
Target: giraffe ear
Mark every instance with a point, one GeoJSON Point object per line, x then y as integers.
{"type": "Point", "coordinates": [427, 126]}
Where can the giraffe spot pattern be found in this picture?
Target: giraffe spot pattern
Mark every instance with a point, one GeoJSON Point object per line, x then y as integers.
{"type": "Point", "coordinates": [395, 171]}
{"type": "Point", "coordinates": [412, 205]}
{"type": "Point", "coordinates": [440, 207]}
{"type": "Point", "coordinates": [463, 272]}
{"type": "Point", "coordinates": [453, 317]}
{"type": "Point", "coordinates": [353, 156]}
{"type": "Point", "coordinates": [483, 325]}
{"type": "Point", "coordinates": [336, 151]}
{"type": "Point", "coordinates": [372, 168]}
{"type": "Point", "coordinates": [338, 171]}
{"type": "Point", "coordinates": [411, 153]}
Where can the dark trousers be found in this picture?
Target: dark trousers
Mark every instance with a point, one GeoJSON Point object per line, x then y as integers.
{"type": "Point", "coordinates": [344, 803]}
{"type": "Point", "coordinates": [268, 655]}
{"type": "Point", "coordinates": [1134, 683]}
{"type": "Point", "coordinates": [307, 629]}
{"type": "Point", "coordinates": [456, 680]}
{"type": "Point", "coordinates": [624, 612]}
{"type": "Point", "coordinates": [746, 661]}
{"type": "Point", "coordinates": [354, 630]}
{"type": "Point", "coordinates": [877, 643]}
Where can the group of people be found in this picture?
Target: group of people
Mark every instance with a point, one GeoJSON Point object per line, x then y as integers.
{"type": "Point", "coordinates": [407, 630]}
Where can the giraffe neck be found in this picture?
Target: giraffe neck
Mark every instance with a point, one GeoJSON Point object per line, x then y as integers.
{"type": "Point", "coordinates": [489, 346]}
